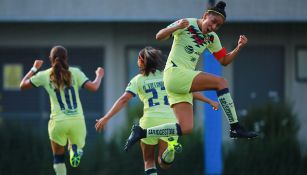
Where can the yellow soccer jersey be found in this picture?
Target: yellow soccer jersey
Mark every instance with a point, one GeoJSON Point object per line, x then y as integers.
{"type": "Point", "coordinates": [65, 103]}
{"type": "Point", "coordinates": [151, 92]}
{"type": "Point", "coordinates": [189, 43]}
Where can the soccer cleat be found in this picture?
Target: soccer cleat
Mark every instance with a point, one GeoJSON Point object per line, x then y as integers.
{"type": "Point", "coordinates": [240, 132]}
{"type": "Point", "coordinates": [174, 145]}
{"type": "Point", "coordinates": [75, 155]}
{"type": "Point", "coordinates": [136, 134]}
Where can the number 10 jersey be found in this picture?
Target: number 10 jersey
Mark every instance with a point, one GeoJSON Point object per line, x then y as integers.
{"type": "Point", "coordinates": [65, 102]}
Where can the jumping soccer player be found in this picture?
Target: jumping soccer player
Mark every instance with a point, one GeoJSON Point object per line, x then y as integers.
{"type": "Point", "coordinates": [149, 86]}
{"type": "Point", "coordinates": [191, 37]}
{"type": "Point", "coordinates": [66, 122]}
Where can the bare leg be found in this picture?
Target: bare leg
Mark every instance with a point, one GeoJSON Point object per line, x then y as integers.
{"type": "Point", "coordinates": [57, 149]}
{"type": "Point", "coordinates": [58, 162]}
{"type": "Point", "coordinates": [184, 115]}
{"type": "Point", "coordinates": [149, 158]}
{"type": "Point", "coordinates": [205, 81]}
{"type": "Point", "coordinates": [162, 148]}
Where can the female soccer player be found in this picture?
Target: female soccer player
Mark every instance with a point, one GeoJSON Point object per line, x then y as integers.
{"type": "Point", "coordinates": [149, 86]}
{"type": "Point", "coordinates": [191, 37]}
{"type": "Point", "coordinates": [62, 83]}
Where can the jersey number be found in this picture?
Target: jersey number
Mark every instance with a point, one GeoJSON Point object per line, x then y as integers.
{"type": "Point", "coordinates": [155, 96]}
{"type": "Point", "coordinates": [71, 105]}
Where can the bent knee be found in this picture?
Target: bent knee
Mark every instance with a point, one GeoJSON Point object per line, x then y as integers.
{"type": "Point", "coordinates": [222, 83]}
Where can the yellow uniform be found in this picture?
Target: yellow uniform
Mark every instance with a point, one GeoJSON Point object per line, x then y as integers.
{"type": "Point", "coordinates": [66, 118]}
{"type": "Point", "coordinates": [151, 92]}
{"type": "Point", "coordinates": [189, 43]}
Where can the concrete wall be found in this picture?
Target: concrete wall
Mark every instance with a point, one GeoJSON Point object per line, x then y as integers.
{"type": "Point", "coordinates": [99, 10]}
{"type": "Point", "coordinates": [147, 10]}
{"type": "Point", "coordinates": [267, 11]}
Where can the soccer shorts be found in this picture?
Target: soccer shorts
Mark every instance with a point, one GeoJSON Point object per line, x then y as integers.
{"type": "Point", "coordinates": [146, 122]}
{"type": "Point", "coordinates": [178, 82]}
{"type": "Point", "coordinates": [73, 130]}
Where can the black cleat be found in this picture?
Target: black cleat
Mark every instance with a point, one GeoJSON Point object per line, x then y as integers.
{"type": "Point", "coordinates": [136, 134]}
{"type": "Point", "coordinates": [240, 132]}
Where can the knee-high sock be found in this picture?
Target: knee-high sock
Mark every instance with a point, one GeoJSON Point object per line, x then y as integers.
{"type": "Point", "coordinates": [59, 168]}
{"type": "Point", "coordinates": [227, 105]}
{"type": "Point", "coordinates": [164, 130]}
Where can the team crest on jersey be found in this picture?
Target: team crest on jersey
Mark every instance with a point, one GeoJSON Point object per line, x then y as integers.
{"type": "Point", "coordinates": [199, 38]}
{"type": "Point", "coordinates": [189, 49]}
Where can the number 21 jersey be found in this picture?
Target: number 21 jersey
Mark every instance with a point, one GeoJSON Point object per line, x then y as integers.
{"type": "Point", "coordinates": [152, 93]}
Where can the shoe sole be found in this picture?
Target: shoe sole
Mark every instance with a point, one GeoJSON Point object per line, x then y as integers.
{"type": "Point", "coordinates": [130, 143]}
{"type": "Point", "coordinates": [73, 162]}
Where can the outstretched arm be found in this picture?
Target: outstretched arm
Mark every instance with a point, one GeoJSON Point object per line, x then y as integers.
{"type": "Point", "coordinates": [94, 85]}
{"type": "Point", "coordinates": [117, 106]}
{"type": "Point", "coordinates": [200, 97]}
{"type": "Point", "coordinates": [25, 82]}
{"type": "Point", "coordinates": [165, 33]}
{"type": "Point", "coordinates": [231, 55]}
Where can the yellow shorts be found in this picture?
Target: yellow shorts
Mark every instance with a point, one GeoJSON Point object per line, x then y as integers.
{"type": "Point", "coordinates": [178, 82]}
{"type": "Point", "coordinates": [146, 122]}
{"type": "Point", "coordinates": [73, 130]}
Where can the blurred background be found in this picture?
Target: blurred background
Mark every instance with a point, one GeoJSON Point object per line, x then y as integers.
{"type": "Point", "coordinates": [268, 81]}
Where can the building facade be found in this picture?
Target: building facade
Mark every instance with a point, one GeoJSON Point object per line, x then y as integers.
{"type": "Point", "coordinates": [110, 33]}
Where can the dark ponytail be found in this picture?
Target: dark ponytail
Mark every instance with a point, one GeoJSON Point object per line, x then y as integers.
{"type": "Point", "coordinates": [219, 9]}
{"type": "Point", "coordinates": [60, 74]}
{"type": "Point", "coordinates": [152, 60]}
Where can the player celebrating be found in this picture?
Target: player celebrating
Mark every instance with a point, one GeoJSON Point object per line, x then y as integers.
{"type": "Point", "coordinates": [191, 37]}
{"type": "Point", "coordinates": [66, 122]}
{"type": "Point", "coordinates": [149, 86]}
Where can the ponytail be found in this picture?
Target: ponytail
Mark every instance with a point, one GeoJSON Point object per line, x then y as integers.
{"type": "Point", "coordinates": [60, 74]}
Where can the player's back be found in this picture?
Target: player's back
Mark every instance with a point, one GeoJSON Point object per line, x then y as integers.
{"type": "Point", "coordinates": [152, 93]}
{"type": "Point", "coordinates": [65, 102]}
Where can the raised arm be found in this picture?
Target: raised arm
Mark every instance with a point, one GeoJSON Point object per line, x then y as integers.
{"type": "Point", "coordinates": [165, 33]}
{"type": "Point", "coordinates": [25, 82]}
{"type": "Point", "coordinates": [117, 106]}
{"type": "Point", "coordinates": [231, 55]}
{"type": "Point", "coordinates": [199, 96]}
{"type": "Point", "coordinates": [94, 85]}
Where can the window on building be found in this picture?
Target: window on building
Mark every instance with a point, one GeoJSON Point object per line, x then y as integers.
{"type": "Point", "coordinates": [12, 75]}
{"type": "Point", "coordinates": [301, 63]}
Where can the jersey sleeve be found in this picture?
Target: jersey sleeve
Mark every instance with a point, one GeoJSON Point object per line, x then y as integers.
{"type": "Point", "coordinates": [38, 79]}
{"type": "Point", "coordinates": [216, 47]}
{"type": "Point", "coordinates": [178, 30]}
{"type": "Point", "coordinates": [81, 78]}
{"type": "Point", "coordinates": [132, 87]}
